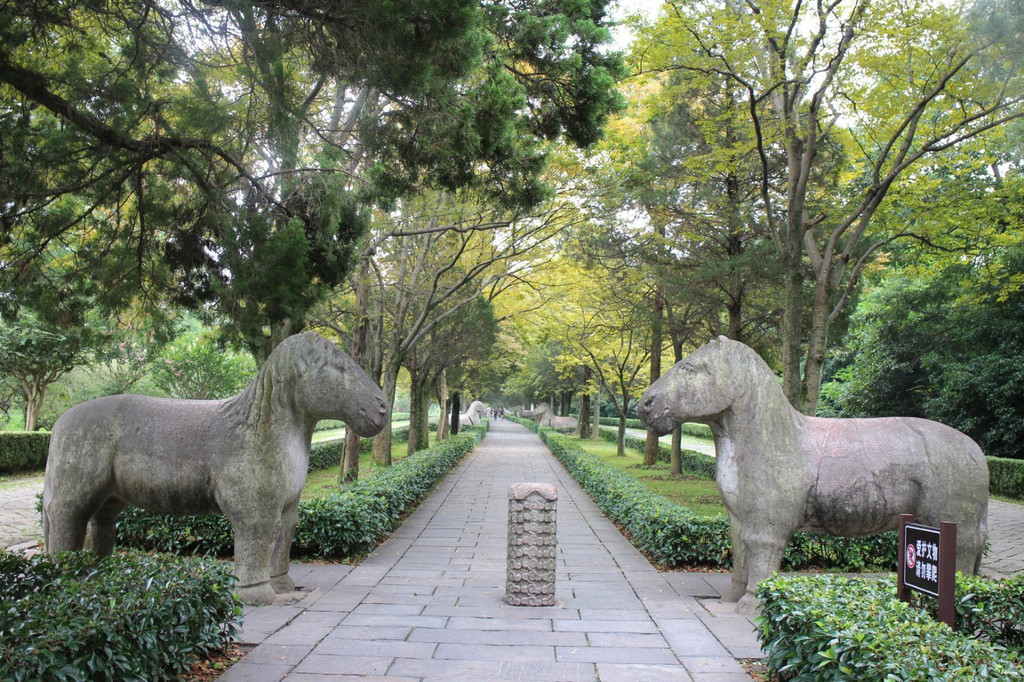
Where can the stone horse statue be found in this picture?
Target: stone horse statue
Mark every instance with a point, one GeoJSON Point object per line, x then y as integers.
{"type": "Point", "coordinates": [544, 415]}
{"type": "Point", "coordinates": [245, 457]}
{"type": "Point", "coordinates": [476, 412]}
{"type": "Point", "coordinates": [780, 471]}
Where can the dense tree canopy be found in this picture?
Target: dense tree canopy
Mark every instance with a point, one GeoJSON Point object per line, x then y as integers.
{"type": "Point", "coordinates": [835, 183]}
{"type": "Point", "coordinates": [230, 152]}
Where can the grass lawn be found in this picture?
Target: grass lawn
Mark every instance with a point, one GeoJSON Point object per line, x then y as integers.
{"type": "Point", "coordinates": [324, 482]}
{"type": "Point", "coordinates": [697, 494]}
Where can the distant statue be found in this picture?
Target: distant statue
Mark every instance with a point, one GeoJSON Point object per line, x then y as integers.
{"type": "Point", "coordinates": [544, 415]}
{"type": "Point", "coordinates": [245, 457]}
{"type": "Point", "coordinates": [474, 414]}
{"type": "Point", "coordinates": [780, 471]}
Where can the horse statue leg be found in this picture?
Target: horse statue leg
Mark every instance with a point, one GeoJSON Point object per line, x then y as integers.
{"type": "Point", "coordinates": [763, 548]}
{"type": "Point", "coordinates": [102, 529]}
{"type": "Point", "coordinates": [279, 563]}
{"type": "Point", "coordinates": [253, 552]}
{"type": "Point", "coordinates": [67, 511]}
{"type": "Point", "coordinates": [64, 526]}
{"type": "Point", "coordinates": [738, 584]}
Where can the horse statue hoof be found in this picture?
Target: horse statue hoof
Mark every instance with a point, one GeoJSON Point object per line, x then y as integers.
{"type": "Point", "coordinates": [257, 595]}
{"type": "Point", "coordinates": [749, 606]}
{"type": "Point", "coordinates": [282, 584]}
{"type": "Point", "coordinates": [734, 592]}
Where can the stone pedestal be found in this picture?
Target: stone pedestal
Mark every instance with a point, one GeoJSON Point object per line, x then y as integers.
{"type": "Point", "coordinates": [532, 545]}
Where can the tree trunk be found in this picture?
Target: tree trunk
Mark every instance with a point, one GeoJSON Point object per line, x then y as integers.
{"type": "Point", "coordinates": [676, 457]}
{"type": "Point", "coordinates": [456, 407]}
{"type": "Point", "coordinates": [34, 395]}
{"type": "Point", "coordinates": [620, 440]}
{"type": "Point", "coordinates": [792, 337]}
{"type": "Point", "coordinates": [442, 400]}
{"type": "Point", "coordinates": [419, 408]}
{"type": "Point", "coordinates": [350, 460]}
{"type": "Point", "coordinates": [595, 433]}
{"type": "Point", "coordinates": [583, 422]}
{"type": "Point", "coordinates": [382, 441]}
{"type": "Point", "coordinates": [817, 337]}
{"type": "Point", "coordinates": [651, 446]}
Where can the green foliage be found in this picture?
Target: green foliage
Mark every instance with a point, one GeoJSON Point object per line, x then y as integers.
{"type": "Point", "coordinates": [1006, 477]}
{"type": "Point", "coordinates": [122, 617]}
{"type": "Point", "coordinates": [829, 627]}
{"type": "Point", "coordinates": [142, 140]}
{"type": "Point", "coordinates": [194, 367]}
{"type": "Point", "coordinates": [339, 526]}
{"type": "Point", "coordinates": [674, 537]}
{"type": "Point", "coordinates": [23, 451]}
{"type": "Point", "coordinates": [946, 347]}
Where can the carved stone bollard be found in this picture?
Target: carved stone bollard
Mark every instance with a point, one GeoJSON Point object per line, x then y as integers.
{"type": "Point", "coordinates": [532, 545]}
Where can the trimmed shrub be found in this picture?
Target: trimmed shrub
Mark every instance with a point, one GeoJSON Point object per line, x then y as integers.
{"type": "Point", "coordinates": [23, 451]}
{"type": "Point", "coordinates": [675, 537]}
{"type": "Point", "coordinates": [122, 617]}
{"type": "Point", "coordinates": [1006, 477]}
{"type": "Point", "coordinates": [339, 526]}
{"type": "Point", "coordinates": [828, 627]}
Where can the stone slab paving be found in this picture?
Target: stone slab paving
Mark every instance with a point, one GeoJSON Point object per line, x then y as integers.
{"type": "Point", "coordinates": [428, 603]}
{"type": "Point", "coordinates": [20, 527]}
{"type": "Point", "coordinates": [1005, 555]}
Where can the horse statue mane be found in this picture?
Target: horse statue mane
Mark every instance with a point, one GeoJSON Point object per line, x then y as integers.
{"type": "Point", "coordinates": [780, 471]}
{"type": "Point", "coordinates": [245, 457]}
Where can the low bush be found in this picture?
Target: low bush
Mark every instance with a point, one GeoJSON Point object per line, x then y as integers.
{"type": "Point", "coordinates": [1006, 477]}
{"type": "Point", "coordinates": [674, 537]}
{"type": "Point", "coordinates": [122, 617]}
{"type": "Point", "coordinates": [339, 526]}
{"type": "Point", "coordinates": [23, 451]}
{"type": "Point", "coordinates": [828, 627]}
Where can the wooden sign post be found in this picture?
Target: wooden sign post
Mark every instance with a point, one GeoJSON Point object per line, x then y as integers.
{"type": "Point", "coordinates": [928, 564]}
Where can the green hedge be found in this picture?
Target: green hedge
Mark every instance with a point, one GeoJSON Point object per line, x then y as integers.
{"type": "Point", "coordinates": [1006, 477]}
{"type": "Point", "coordinates": [674, 537]}
{"type": "Point", "coordinates": [347, 523]}
{"type": "Point", "coordinates": [123, 617]}
{"type": "Point", "coordinates": [23, 451]}
{"type": "Point", "coordinates": [828, 627]}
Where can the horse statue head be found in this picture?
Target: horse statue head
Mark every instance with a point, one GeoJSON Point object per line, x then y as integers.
{"type": "Point", "coordinates": [323, 382]}
{"type": "Point", "coordinates": [544, 415]}
{"type": "Point", "coordinates": [702, 386]}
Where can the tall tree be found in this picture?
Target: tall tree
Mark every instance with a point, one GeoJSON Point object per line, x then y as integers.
{"type": "Point", "coordinates": [36, 354]}
{"type": "Point", "coordinates": [877, 85]}
{"type": "Point", "coordinates": [229, 153]}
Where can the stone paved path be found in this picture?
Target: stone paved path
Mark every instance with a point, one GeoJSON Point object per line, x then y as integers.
{"type": "Point", "coordinates": [427, 604]}
{"type": "Point", "coordinates": [20, 527]}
